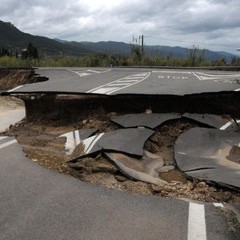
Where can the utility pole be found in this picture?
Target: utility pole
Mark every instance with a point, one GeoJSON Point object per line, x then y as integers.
{"type": "Point", "coordinates": [142, 45]}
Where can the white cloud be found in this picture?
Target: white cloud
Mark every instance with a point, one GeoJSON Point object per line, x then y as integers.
{"type": "Point", "coordinates": [205, 22]}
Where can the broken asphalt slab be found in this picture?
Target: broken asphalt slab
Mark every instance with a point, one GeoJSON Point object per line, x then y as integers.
{"type": "Point", "coordinates": [209, 154]}
{"type": "Point", "coordinates": [215, 121]}
{"type": "Point", "coordinates": [129, 141]}
{"type": "Point", "coordinates": [152, 120]}
{"type": "Point", "coordinates": [145, 169]}
{"type": "Point", "coordinates": [74, 138]}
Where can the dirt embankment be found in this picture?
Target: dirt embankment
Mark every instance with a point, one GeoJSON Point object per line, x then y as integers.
{"type": "Point", "coordinates": [11, 78]}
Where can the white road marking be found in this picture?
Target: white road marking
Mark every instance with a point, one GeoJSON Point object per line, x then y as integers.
{"type": "Point", "coordinates": [93, 71]}
{"type": "Point", "coordinates": [237, 90]}
{"type": "Point", "coordinates": [90, 142]}
{"type": "Point", "coordinates": [218, 205]}
{"type": "Point", "coordinates": [174, 72]}
{"type": "Point", "coordinates": [84, 74]}
{"type": "Point", "coordinates": [73, 139]}
{"type": "Point", "coordinates": [1, 138]}
{"type": "Point", "coordinates": [205, 76]}
{"type": "Point", "coordinates": [182, 153]}
{"type": "Point", "coordinates": [8, 143]}
{"type": "Point", "coordinates": [88, 72]}
{"type": "Point", "coordinates": [200, 76]}
{"type": "Point", "coordinates": [228, 124]}
{"type": "Point", "coordinates": [118, 84]}
{"type": "Point", "coordinates": [196, 75]}
{"type": "Point", "coordinates": [196, 222]}
{"type": "Point", "coordinates": [125, 82]}
{"type": "Point", "coordinates": [106, 90]}
{"type": "Point", "coordinates": [11, 90]}
{"type": "Point", "coordinates": [81, 74]}
{"type": "Point", "coordinates": [172, 77]}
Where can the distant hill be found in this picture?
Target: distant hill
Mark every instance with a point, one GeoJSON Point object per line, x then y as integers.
{"type": "Point", "coordinates": [180, 52]}
{"type": "Point", "coordinates": [121, 48]}
{"type": "Point", "coordinates": [109, 47]}
{"type": "Point", "coordinates": [14, 39]}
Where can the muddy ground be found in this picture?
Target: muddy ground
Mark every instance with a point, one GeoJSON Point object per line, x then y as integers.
{"type": "Point", "coordinates": [42, 144]}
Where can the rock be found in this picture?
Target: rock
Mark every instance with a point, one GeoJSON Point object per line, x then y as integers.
{"type": "Point", "coordinates": [156, 188]}
{"type": "Point", "coordinates": [190, 186]}
{"type": "Point", "coordinates": [165, 169]}
{"type": "Point", "coordinates": [148, 111]}
{"type": "Point", "coordinates": [212, 189]}
{"type": "Point", "coordinates": [112, 114]}
{"type": "Point", "coordinates": [120, 178]}
{"type": "Point", "coordinates": [78, 166]}
{"type": "Point", "coordinates": [103, 167]}
{"type": "Point", "coordinates": [202, 185]}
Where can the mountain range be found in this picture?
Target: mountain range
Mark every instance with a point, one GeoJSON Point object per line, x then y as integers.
{"type": "Point", "coordinates": [16, 40]}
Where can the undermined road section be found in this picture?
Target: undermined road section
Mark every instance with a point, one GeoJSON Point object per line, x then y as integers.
{"type": "Point", "coordinates": [49, 116]}
{"type": "Point", "coordinates": [71, 108]}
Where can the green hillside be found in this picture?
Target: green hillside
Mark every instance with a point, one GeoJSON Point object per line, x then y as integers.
{"type": "Point", "coordinates": [13, 39]}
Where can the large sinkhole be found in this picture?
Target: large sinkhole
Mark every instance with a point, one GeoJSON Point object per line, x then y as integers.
{"type": "Point", "coordinates": [52, 119]}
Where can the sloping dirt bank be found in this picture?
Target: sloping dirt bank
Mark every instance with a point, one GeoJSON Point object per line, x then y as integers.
{"type": "Point", "coordinates": [11, 78]}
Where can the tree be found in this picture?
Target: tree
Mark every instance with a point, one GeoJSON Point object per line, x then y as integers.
{"type": "Point", "coordinates": [30, 53]}
{"type": "Point", "coordinates": [4, 52]}
{"type": "Point", "coordinates": [195, 56]}
{"type": "Point", "coordinates": [137, 50]}
{"type": "Point", "coordinates": [235, 61]}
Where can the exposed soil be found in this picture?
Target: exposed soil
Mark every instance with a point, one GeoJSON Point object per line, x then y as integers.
{"type": "Point", "coordinates": [11, 78]}
{"type": "Point", "coordinates": [42, 144]}
{"type": "Point", "coordinates": [10, 103]}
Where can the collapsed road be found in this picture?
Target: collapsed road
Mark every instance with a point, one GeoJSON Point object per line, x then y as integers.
{"type": "Point", "coordinates": [129, 129]}
{"type": "Point", "coordinates": [127, 90]}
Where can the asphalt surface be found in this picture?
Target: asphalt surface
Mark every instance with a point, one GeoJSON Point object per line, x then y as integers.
{"type": "Point", "coordinates": [117, 81]}
{"type": "Point", "coordinates": [36, 203]}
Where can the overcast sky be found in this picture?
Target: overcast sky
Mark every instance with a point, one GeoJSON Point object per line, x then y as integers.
{"type": "Point", "coordinates": [210, 24]}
